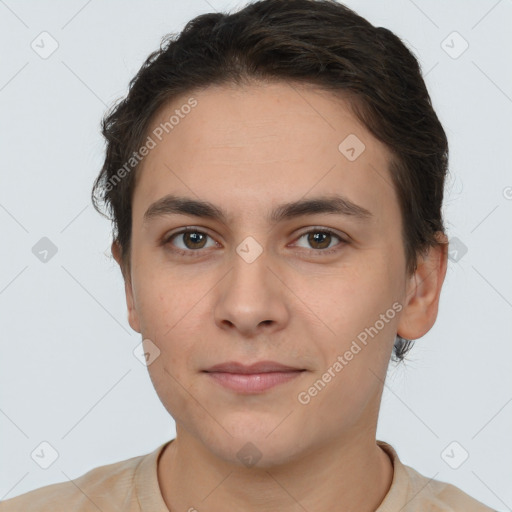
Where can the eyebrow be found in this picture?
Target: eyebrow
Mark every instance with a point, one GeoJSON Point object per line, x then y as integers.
{"type": "Point", "coordinates": [334, 204]}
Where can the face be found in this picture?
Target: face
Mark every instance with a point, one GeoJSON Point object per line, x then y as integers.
{"type": "Point", "coordinates": [319, 287]}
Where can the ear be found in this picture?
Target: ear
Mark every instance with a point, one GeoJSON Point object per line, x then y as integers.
{"type": "Point", "coordinates": [133, 317]}
{"type": "Point", "coordinates": [423, 291]}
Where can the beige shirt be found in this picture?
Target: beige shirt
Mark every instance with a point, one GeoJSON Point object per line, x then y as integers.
{"type": "Point", "coordinates": [132, 486]}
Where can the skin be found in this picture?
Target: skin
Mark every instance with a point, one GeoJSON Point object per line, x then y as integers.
{"type": "Point", "coordinates": [248, 149]}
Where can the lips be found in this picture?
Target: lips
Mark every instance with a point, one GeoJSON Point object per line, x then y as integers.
{"type": "Point", "coordinates": [254, 378]}
{"type": "Point", "coordinates": [259, 367]}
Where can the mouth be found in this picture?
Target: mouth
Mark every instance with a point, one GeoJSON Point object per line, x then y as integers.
{"type": "Point", "coordinates": [255, 378]}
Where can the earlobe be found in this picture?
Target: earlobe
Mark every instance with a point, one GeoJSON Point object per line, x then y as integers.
{"type": "Point", "coordinates": [133, 317]}
{"type": "Point", "coordinates": [423, 292]}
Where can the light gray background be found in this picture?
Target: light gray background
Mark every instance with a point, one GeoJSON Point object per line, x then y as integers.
{"type": "Point", "coordinates": [68, 374]}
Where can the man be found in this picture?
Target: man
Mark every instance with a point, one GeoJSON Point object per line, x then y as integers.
{"type": "Point", "coordinates": [275, 177]}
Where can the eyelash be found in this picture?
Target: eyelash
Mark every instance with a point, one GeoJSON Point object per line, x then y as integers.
{"type": "Point", "coordinates": [197, 252]}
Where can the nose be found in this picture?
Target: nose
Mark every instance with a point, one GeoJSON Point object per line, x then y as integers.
{"type": "Point", "coordinates": [252, 299]}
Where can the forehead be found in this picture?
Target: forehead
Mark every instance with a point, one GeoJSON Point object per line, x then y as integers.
{"type": "Point", "coordinates": [261, 145]}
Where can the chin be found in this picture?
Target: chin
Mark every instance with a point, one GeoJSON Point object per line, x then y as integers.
{"type": "Point", "coordinates": [255, 443]}
{"type": "Point", "coordinates": [255, 453]}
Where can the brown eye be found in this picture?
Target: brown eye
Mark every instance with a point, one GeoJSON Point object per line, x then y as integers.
{"type": "Point", "coordinates": [189, 240]}
{"type": "Point", "coordinates": [194, 240]}
{"type": "Point", "coordinates": [319, 237]}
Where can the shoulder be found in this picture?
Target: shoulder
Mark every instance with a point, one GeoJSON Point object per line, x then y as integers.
{"type": "Point", "coordinates": [413, 491]}
{"type": "Point", "coordinates": [445, 496]}
{"type": "Point", "coordinates": [103, 488]}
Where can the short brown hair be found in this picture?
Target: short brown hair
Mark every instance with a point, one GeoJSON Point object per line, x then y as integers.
{"type": "Point", "coordinates": [318, 42]}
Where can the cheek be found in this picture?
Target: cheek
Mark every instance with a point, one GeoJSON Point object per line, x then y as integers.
{"type": "Point", "coordinates": [174, 314]}
{"type": "Point", "coordinates": [162, 301]}
{"type": "Point", "coordinates": [355, 319]}
{"type": "Point", "coordinates": [169, 381]}
{"type": "Point", "coordinates": [346, 300]}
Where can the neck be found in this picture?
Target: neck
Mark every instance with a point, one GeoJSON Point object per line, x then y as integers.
{"type": "Point", "coordinates": [352, 473]}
